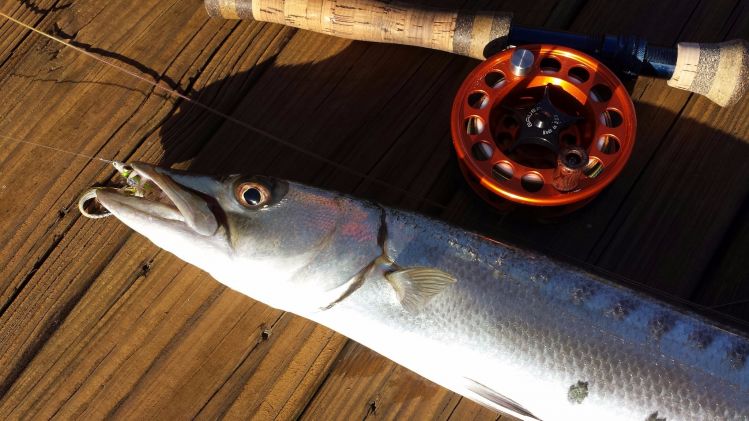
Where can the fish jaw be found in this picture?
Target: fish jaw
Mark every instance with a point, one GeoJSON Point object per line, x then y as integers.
{"type": "Point", "coordinates": [193, 208]}
{"type": "Point", "coordinates": [187, 227]}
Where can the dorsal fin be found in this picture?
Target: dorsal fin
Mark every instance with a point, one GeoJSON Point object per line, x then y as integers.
{"type": "Point", "coordinates": [498, 402]}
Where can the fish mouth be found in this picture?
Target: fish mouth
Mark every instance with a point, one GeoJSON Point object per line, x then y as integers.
{"type": "Point", "coordinates": [186, 207]}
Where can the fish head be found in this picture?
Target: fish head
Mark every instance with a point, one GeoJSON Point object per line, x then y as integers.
{"type": "Point", "coordinates": [276, 241]}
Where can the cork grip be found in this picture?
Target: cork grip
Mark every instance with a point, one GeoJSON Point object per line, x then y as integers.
{"type": "Point", "coordinates": [718, 71]}
{"type": "Point", "coordinates": [465, 33]}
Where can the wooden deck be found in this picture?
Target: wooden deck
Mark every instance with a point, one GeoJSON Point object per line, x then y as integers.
{"type": "Point", "coordinates": [97, 322]}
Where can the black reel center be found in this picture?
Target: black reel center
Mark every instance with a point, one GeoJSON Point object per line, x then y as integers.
{"type": "Point", "coordinates": [541, 124]}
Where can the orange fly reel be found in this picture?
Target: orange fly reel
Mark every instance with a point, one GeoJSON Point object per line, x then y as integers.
{"type": "Point", "coordinates": [542, 125]}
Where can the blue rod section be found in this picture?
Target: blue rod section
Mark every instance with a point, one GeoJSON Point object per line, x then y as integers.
{"type": "Point", "coordinates": [627, 55]}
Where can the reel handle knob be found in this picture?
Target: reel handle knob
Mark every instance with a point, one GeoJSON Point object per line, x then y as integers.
{"type": "Point", "coordinates": [718, 71]}
{"type": "Point", "coordinates": [462, 32]}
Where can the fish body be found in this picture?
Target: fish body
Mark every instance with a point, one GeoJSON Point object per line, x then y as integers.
{"type": "Point", "coordinates": [510, 329]}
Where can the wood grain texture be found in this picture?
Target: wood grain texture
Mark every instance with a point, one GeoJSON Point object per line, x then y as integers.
{"type": "Point", "coordinates": [462, 32]}
{"type": "Point", "coordinates": [96, 322]}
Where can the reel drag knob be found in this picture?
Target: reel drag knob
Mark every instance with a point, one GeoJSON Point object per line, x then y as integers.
{"type": "Point", "coordinates": [521, 62]}
{"type": "Point", "coordinates": [543, 126]}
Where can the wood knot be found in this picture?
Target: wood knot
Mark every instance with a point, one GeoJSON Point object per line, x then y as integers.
{"type": "Point", "coordinates": [265, 333]}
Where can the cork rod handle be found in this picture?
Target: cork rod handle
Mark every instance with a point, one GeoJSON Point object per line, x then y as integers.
{"type": "Point", "coordinates": [464, 33]}
{"type": "Point", "coordinates": [718, 71]}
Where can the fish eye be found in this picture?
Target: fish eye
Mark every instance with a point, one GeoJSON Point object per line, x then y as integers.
{"type": "Point", "coordinates": [252, 194]}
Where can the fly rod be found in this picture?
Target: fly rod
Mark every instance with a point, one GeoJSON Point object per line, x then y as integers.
{"type": "Point", "coordinates": [717, 71]}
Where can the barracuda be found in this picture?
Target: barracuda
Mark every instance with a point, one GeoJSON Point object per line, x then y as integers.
{"type": "Point", "coordinates": [512, 330]}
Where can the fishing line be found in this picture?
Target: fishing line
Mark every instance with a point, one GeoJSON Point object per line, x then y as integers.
{"type": "Point", "coordinates": [40, 145]}
{"type": "Point", "coordinates": [248, 126]}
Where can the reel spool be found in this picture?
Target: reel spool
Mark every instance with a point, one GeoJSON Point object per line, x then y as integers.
{"type": "Point", "coordinates": [542, 125]}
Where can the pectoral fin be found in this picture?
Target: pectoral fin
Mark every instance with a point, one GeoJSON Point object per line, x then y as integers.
{"type": "Point", "coordinates": [415, 287]}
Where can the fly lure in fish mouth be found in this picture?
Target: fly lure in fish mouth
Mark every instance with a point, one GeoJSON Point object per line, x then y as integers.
{"type": "Point", "coordinates": [504, 327]}
{"type": "Point", "coordinates": [135, 186]}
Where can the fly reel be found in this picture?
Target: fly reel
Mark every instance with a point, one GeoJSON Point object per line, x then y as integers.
{"type": "Point", "coordinates": [542, 125]}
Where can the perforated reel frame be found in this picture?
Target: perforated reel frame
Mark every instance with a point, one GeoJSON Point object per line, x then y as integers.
{"type": "Point", "coordinates": [580, 86]}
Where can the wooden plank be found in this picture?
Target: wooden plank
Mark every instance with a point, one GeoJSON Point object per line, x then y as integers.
{"type": "Point", "coordinates": [13, 36]}
{"type": "Point", "coordinates": [84, 107]}
{"type": "Point", "coordinates": [723, 286]}
{"type": "Point", "coordinates": [282, 384]}
{"type": "Point", "coordinates": [106, 325]}
{"type": "Point", "coordinates": [400, 394]}
{"type": "Point", "coordinates": [26, 246]}
{"type": "Point", "coordinates": [39, 298]}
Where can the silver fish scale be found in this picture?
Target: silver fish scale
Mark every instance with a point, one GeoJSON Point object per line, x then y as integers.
{"type": "Point", "coordinates": [523, 315]}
